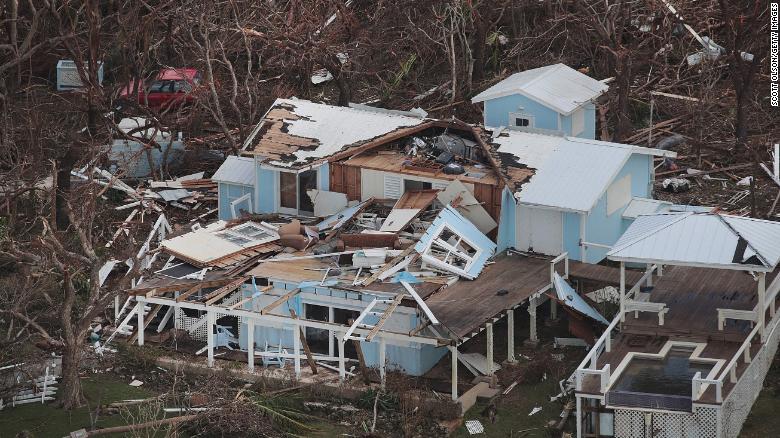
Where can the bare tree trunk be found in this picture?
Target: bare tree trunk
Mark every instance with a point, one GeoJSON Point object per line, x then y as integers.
{"type": "Point", "coordinates": [69, 394]}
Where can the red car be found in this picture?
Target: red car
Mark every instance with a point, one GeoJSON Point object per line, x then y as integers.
{"type": "Point", "coordinates": [171, 87]}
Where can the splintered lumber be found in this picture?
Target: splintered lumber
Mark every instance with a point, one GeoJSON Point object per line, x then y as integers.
{"type": "Point", "coordinates": [704, 172]}
{"type": "Point", "coordinates": [179, 286]}
{"type": "Point", "coordinates": [188, 292]}
{"type": "Point", "coordinates": [361, 358]}
{"type": "Point", "coordinates": [220, 293]}
{"type": "Point", "coordinates": [148, 319]}
{"type": "Point", "coordinates": [247, 299]}
{"type": "Point", "coordinates": [306, 349]}
{"type": "Point", "coordinates": [281, 300]}
{"type": "Point", "coordinates": [141, 426]}
{"type": "Point", "coordinates": [397, 259]}
{"type": "Point", "coordinates": [384, 317]}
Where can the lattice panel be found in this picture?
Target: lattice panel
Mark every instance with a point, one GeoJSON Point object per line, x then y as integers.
{"type": "Point", "coordinates": [668, 425]}
{"type": "Point", "coordinates": [705, 423]}
{"type": "Point", "coordinates": [740, 400]}
{"type": "Point", "coordinates": [186, 323]}
{"type": "Point", "coordinates": [629, 424]}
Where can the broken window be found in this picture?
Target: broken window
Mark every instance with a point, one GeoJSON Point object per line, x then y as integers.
{"type": "Point", "coordinates": [232, 238]}
{"type": "Point", "coordinates": [521, 120]}
{"type": "Point", "coordinates": [452, 249]}
{"type": "Point", "coordinates": [251, 230]}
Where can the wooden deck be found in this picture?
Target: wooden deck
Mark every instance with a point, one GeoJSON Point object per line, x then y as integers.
{"type": "Point", "coordinates": [693, 296]}
{"type": "Point", "coordinates": [465, 306]}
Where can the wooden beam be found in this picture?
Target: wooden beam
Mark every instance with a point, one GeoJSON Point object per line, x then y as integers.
{"type": "Point", "coordinates": [179, 286]}
{"type": "Point", "coordinates": [397, 259]}
{"type": "Point", "coordinates": [148, 319]}
{"type": "Point", "coordinates": [361, 358]}
{"type": "Point", "coordinates": [187, 293]}
{"type": "Point", "coordinates": [220, 293]}
{"type": "Point", "coordinates": [281, 300]}
{"type": "Point", "coordinates": [245, 300]}
{"type": "Point", "coordinates": [383, 318]}
{"type": "Point", "coordinates": [306, 349]}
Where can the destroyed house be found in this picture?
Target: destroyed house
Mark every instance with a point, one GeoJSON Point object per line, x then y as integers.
{"type": "Point", "coordinates": [689, 349]}
{"type": "Point", "coordinates": [554, 99]}
{"type": "Point", "coordinates": [534, 192]}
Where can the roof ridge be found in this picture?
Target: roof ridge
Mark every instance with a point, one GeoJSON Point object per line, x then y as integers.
{"type": "Point", "coordinates": [739, 235]}
{"type": "Point", "coordinates": [652, 231]}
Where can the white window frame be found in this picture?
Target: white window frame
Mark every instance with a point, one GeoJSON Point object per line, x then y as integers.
{"type": "Point", "coordinates": [522, 115]}
{"type": "Point", "coordinates": [240, 199]}
{"type": "Point", "coordinates": [233, 232]}
{"type": "Point", "coordinates": [451, 251]}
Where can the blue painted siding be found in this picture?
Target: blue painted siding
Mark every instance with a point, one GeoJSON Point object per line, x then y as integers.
{"type": "Point", "coordinates": [266, 185]}
{"type": "Point", "coordinates": [411, 358]}
{"type": "Point", "coordinates": [229, 193]}
{"type": "Point", "coordinates": [571, 234]}
{"type": "Point", "coordinates": [604, 229]}
{"type": "Point", "coordinates": [506, 221]}
{"type": "Point", "coordinates": [590, 122]}
{"type": "Point", "coordinates": [323, 177]}
{"type": "Point", "coordinates": [497, 112]}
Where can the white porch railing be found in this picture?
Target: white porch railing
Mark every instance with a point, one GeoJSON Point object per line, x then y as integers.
{"type": "Point", "coordinates": [589, 364]}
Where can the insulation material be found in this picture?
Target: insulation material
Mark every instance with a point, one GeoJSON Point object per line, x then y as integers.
{"type": "Point", "coordinates": [459, 196]}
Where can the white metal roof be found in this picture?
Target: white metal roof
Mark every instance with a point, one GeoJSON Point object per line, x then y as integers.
{"type": "Point", "coordinates": [335, 127]}
{"type": "Point", "coordinates": [639, 206]}
{"type": "Point", "coordinates": [557, 86]}
{"type": "Point", "coordinates": [700, 239]}
{"type": "Point", "coordinates": [236, 170]}
{"type": "Point", "coordinates": [570, 173]}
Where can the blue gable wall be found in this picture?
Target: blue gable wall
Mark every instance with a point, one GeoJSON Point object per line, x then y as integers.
{"type": "Point", "coordinates": [229, 193]}
{"type": "Point", "coordinates": [571, 234]}
{"type": "Point", "coordinates": [497, 112]}
{"type": "Point", "coordinates": [603, 229]}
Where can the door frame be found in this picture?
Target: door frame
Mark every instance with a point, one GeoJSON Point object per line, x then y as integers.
{"type": "Point", "coordinates": [278, 187]}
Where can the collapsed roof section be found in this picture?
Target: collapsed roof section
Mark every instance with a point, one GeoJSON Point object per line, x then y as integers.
{"type": "Point", "coordinates": [701, 239]}
{"type": "Point", "coordinates": [569, 173]}
{"type": "Point", "coordinates": [296, 133]}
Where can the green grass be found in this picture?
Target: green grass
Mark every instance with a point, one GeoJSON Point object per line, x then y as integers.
{"type": "Point", "coordinates": [513, 412]}
{"type": "Point", "coordinates": [44, 421]}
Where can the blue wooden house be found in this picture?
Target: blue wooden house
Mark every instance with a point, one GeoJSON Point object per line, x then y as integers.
{"type": "Point", "coordinates": [555, 99]}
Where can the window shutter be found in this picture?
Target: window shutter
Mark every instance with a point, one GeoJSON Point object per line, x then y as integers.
{"type": "Point", "coordinates": [392, 187]}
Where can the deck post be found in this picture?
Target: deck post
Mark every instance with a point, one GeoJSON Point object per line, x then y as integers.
{"type": "Point", "coordinates": [250, 344]}
{"type": "Point", "coordinates": [650, 277]}
{"type": "Point", "coordinates": [454, 354]}
{"type": "Point", "coordinates": [489, 332]}
{"type": "Point", "coordinates": [553, 309]}
{"type": "Point", "coordinates": [579, 417]}
{"type": "Point", "coordinates": [510, 336]}
{"type": "Point", "coordinates": [210, 320]}
{"type": "Point", "coordinates": [660, 270]}
{"type": "Point", "coordinates": [297, 350]}
{"type": "Point", "coordinates": [762, 305]}
{"type": "Point", "coordinates": [177, 312]}
{"type": "Point", "coordinates": [331, 333]}
{"type": "Point", "coordinates": [141, 307]}
{"type": "Point", "coordinates": [532, 313]}
{"type": "Point", "coordinates": [342, 369]}
{"type": "Point", "coordinates": [382, 360]}
{"type": "Point", "coordinates": [623, 292]}
{"type": "Point", "coordinates": [116, 307]}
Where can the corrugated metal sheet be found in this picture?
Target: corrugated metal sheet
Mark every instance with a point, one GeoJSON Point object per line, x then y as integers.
{"type": "Point", "coordinates": [571, 173]}
{"type": "Point", "coordinates": [700, 239]}
{"type": "Point", "coordinates": [236, 170]}
{"type": "Point", "coordinates": [568, 296]}
{"type": "Point", "coordinates": [557, 86]}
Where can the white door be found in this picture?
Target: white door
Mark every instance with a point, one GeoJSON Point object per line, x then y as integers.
{"type": "Point", "coordinates": [539, 230]}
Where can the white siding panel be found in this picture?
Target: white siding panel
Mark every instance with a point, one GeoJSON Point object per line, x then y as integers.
{"type": "Point", "coordinates": [540, 230]}
{"type": "Point", "coordinates": [393, 186]}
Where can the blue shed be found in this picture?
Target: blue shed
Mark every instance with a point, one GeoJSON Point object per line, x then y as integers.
{"type": "Point", "coordinates": [552, 99]}
{"type": "Point", "coordinates": [235, 180]}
